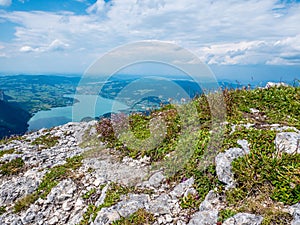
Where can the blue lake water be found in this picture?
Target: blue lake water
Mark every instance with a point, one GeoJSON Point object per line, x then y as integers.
{"type": "Point", "coordinates": [88, 106]}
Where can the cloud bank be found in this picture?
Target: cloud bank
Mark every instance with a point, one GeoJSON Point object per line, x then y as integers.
{"type": "Point", "coordinates": [219, 32]}
{"type": "Point", "coordinates": [5, 2]}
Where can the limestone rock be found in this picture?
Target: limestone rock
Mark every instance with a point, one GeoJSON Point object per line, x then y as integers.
{"type": "Point", "coordinates": [160, 206]}
{"type": "Point", "coordinates": [211, 202]}
{"type": "Point", "coordinates": [125, 208]}
{"type": "Point", "coordinates": [295, 211]}
{"type": "Point", "coordinates": [223, 164]}
{"type": "Point", "coordinates": [180, 189]}
{"type": "Point", "coordinates": [156, 179]}
{"type": "Point", "coordinates": [244, 219]}
{"type": "Point", "coordinates": [68, 201]}
{"type": "Point", "coordinates": [131, 204]}
{"type": "Point", "coordinates": [207, 217]}
{"type": "Point", "coordinates": [288, 142]}
{"type": "Point", "coordinates": [105, 217]}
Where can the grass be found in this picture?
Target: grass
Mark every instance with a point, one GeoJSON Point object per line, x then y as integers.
{"type": "Point", "coordinates": [6, 140]}
{"type": "Point", "coordinates": [89, 193]}
{"type": "Point", "coordinates": [139, 217]}
{"type": "Point", "coordinates": [266, 171]}
{"type": "Point", "coordinates": [25, 202]}
{"type": "Point", "coordinates": [279, 105]}
{"type": "Point", "coordinates": [225, 214]}
{"type": "Point", "coordinates": [2, 210]}
{"type": "Point", "coordinates": [277, 218]}
{"type": "Point", "coordinates": [45, 141]}
{"type": "Point", "coordinates": [266, 179]}
{"type": "Point", "coordinates": [190, 202]}
{"type": "Point", "coordinates": [134, 143]}
{"type": "Point", "coordinates": [50, 180]}
{"type": "Point", "coordinates": [9, 151]}
{"type": "Point", "coordinates": [13, 167]}
{"type": "Point", "coordinates": [113, 195]}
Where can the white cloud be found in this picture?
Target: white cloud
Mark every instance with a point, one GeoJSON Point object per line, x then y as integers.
{"type": "Point", "coordinates": [56, 45]}
{"type": "Point", "coordinates": [5, 3]}
{"type": "Point", "coordinates": [285, 51]}
{"type": "Point", "coordinates": [97, 7]}
{"type": "Point", "coordinates": [27, 48]}
{"type": "Point", "coordinates": [220, 32]}
{"type": "Point", "coordinates": [234, 53]}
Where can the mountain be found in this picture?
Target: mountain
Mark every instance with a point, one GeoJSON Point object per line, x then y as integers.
{"type": "Point", "coordinates": [13, 120]}
{"type": "Point", "coordinates": [241, 171]}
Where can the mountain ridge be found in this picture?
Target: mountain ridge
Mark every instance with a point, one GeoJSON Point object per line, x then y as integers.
{"type": "Point", "coordinates": [81, 173]}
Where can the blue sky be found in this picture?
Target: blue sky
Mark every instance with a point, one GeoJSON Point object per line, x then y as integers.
{"type": "Point", "coordinates": [66, 36]}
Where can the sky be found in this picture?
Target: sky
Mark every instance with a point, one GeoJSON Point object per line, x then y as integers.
{"type": "Point", "coordinates": [234, 37]}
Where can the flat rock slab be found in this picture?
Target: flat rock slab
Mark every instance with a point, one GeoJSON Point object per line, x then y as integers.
{"type": "Point", "coordinates": [288, 142]}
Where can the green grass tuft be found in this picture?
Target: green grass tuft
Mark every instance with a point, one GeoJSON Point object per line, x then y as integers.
{"type": "Point", "coordinates": [265, 170]}
{"type": "Point", "coordinates": [50, 180]}
{"type": "Point", "coordinates": [89, 193]}
{"type": "Point", "coordinates": [9, 151]}
{"type": "Point", "coordinates": [2, 210]}
{"type": "Point", "coordinates": [138, 218]}
{"type": "Point", "coordinates": [225, 214]}
{"type": "Point", "coordinates": [113, 195]}
{"type": "Point", "coordinates": [13, 167]}
{"type": "Point", "coordinates": [45, 141]}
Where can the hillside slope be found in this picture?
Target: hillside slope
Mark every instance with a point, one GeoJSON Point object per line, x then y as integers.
{"type": "Point", "coordinates": [90, 173]}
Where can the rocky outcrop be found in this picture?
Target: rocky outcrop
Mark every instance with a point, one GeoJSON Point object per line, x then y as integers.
{"type": "Point", "coordinates": [66, 204]}
{"type": "Point", "coordinates": [76, 194]}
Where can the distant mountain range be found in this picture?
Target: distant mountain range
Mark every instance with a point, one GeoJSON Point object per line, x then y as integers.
{"type": "Point", "coordinates": [22, 96]}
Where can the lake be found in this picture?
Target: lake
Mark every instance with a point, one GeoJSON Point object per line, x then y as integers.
{"type": "Point", "coordinates": [88, 106]}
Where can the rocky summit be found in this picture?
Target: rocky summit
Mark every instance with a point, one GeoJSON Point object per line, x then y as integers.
{"type": "Point", "coordinates": [70, 199]}
{"type": "Point", "coordinates": [71, 175]}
